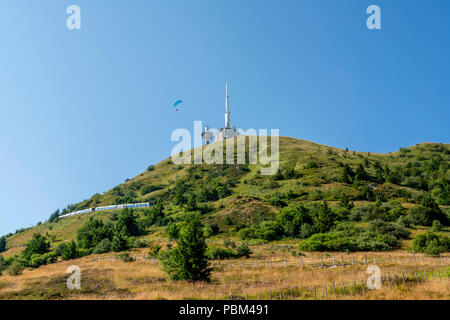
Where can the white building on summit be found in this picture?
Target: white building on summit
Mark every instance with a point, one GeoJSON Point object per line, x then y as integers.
{"type": "Point", "coordinates": [228, 131]}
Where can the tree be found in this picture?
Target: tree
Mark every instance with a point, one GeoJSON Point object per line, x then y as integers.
{"type": "Point", "coordinates": [188, 261]}
{"type": "Point", "coordinates": [361, 174]}
{"type": "Point", "coordinates": [323, 218]}
{"type": "Point", "coordinates": [37, 245]}
{"type": "Point", "coordinates": [191, 203]}
{"type": "Point", "coordinates": [119, 242]}
{"type": "Point", "coordinates": [346, 174]}
{"type": "Point", "coordinates": [155, 214]}
{"type": "Point", "coordinates": [2, 244]}
{"type": "Point", "coordinates": [92, 233]}
{"type": "Point", "coordinates": [425, 213]}
{"type": "Point", "coordinates": [54, 217]}
{"type": "Point", "coordinates": [127, 223]}
{"type": "Point", "coordinates": [70, 251]}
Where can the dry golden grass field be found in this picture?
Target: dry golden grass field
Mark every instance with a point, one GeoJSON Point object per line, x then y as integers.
{"type": "Point", "coordinates": [106, 277]}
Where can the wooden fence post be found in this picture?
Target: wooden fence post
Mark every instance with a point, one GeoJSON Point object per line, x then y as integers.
{"type": "Point", "coordinates": [363, 288]}
{"type": "Point", "coordinates": [270, 294]}
{"type": "Point", "coordinates": [425, 276]}
{"type": "Point", "coordinates": [334, 262]}
{"type": "Point", "coordinates": [292, 293]}
{"type": "Point", "coordinates": [315, 293]}
{"type": "Point", "coordinates": [334, 289]}
{"type": "Point", "coordinates": [343, 287]}
{"type": "Point", "coordinates": [403, 278]}
{"type": "Point", "coordinates": [326, 293]}
{"type": "Point", "coordinates": [342, 258]}
{"type": "Point", "coordinates": [389, 281]}
{"type": "Point", "coordinates": [298, 265]}
{"type": "Point", "coordinates": [414, 256]}
{"type": "Point", "coordinates": [365, 259]}
{"type": "Point", "coordinates": [354, 285]}
{"type": "Point", "coordinates": [353, 261]}
{"type": "Point", "coordinates": [417, 277]}
{"type": "Point", "coordinates": [390, 258]}
{"type": "Point", "coordinates": [281, 295]}
{"type": "Point", "coordinates": [442, 259]}
{"type": "Point", "coordinates": [439, 275]}
{"type": "Point", "coordinates": [302, 263]}
{"type": "Point", "coordinates": [259, 296]}
{"type": "Point", "coordinates": [321, 261]}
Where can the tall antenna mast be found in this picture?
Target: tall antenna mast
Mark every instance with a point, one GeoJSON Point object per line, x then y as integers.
{"type": "Point", "coordinates": [227, 109]}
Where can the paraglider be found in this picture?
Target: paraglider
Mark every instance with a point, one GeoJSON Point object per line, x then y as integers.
{"type": "Point", "coordinates": [178, 102]}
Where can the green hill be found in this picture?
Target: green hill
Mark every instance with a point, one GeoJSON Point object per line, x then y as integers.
{"type": "Point", "coordinates": [235, 197]}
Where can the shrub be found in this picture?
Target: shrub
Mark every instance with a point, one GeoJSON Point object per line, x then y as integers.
{"type": "Point", "coordinates": [404, 222]}
{"type": "Point", "coordinates": [151, 167]}
{"type": "Point", "coordinates": [228, 221]}
{"type": "Point", "coordinates": [215, 253]}
{"type": "Point", "coordinates": [349, 241]}
{"type": "Point", "coordinates": [277, 202]}
{"type": "Point", "coordinates": [266, 231]}
{"type": "Point", "coordinates": [125, 257]}
{"type": "Point", "coordinates": [15, 269]}
{"type": "Point", "coordinates": [154, 250]}
{"type": "Point", "coordinates": [382, 227]}
{"type": "Point", "coordinates": [243, 250]}
{"type": "Point", "coordinates": [149, 188]}
{"type": "Point", "coordinates": [70, 251]}
{"type": "Point", "coordinates": [431, 243]}
{"type": "Point", "coordinates": [104, 246]}
{"type": "Point", "coordinates": [229, 243]}
{"type": "Point", "coordinates": [211, 230]}
{"type": "Point", "coordinates": [92, 233]}
{"type": "Point", "coordinates": [420, 215]}
{"type": "Point", "coordinates": [306, 230]}
{"type": "Point", "coordinates": [38, 260]}
{"type": "Point", "coordinates": [311, 165]}
{"type": "Point", "coordinates": [436, 226]}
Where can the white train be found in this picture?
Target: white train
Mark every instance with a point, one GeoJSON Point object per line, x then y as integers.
{"type": "Point", "coordinates": [114, 207]}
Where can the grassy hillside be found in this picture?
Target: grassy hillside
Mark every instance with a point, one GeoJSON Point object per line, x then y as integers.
{"type": "Point", "coordinates": [237, 195]}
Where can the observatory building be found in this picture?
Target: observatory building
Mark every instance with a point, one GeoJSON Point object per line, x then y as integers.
{"type": "Point", "coordinates": [228, 131]}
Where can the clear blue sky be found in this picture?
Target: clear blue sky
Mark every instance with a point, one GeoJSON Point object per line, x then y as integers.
{"type": "Point", "coordinates": [81, 111]}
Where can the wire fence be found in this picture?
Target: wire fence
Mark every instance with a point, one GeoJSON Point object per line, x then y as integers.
{"type": "Point", "coordinates": [342, 290]}
{"type": "Point", "coordinates": [301, 262]}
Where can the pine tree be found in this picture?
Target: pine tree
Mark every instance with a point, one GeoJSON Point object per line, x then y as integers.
{"type": "Point", "coordinates": [346, 174]}
{"type": "Point", "coordinates": [2, 244]}
{"type": "Point", "coordinates": [188, 261]}
{"type": "Point", "coordinates": [361, 174]}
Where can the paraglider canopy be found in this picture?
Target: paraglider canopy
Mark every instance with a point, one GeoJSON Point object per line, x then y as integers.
{"type": "Point", "coordinates": [178, 102]}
